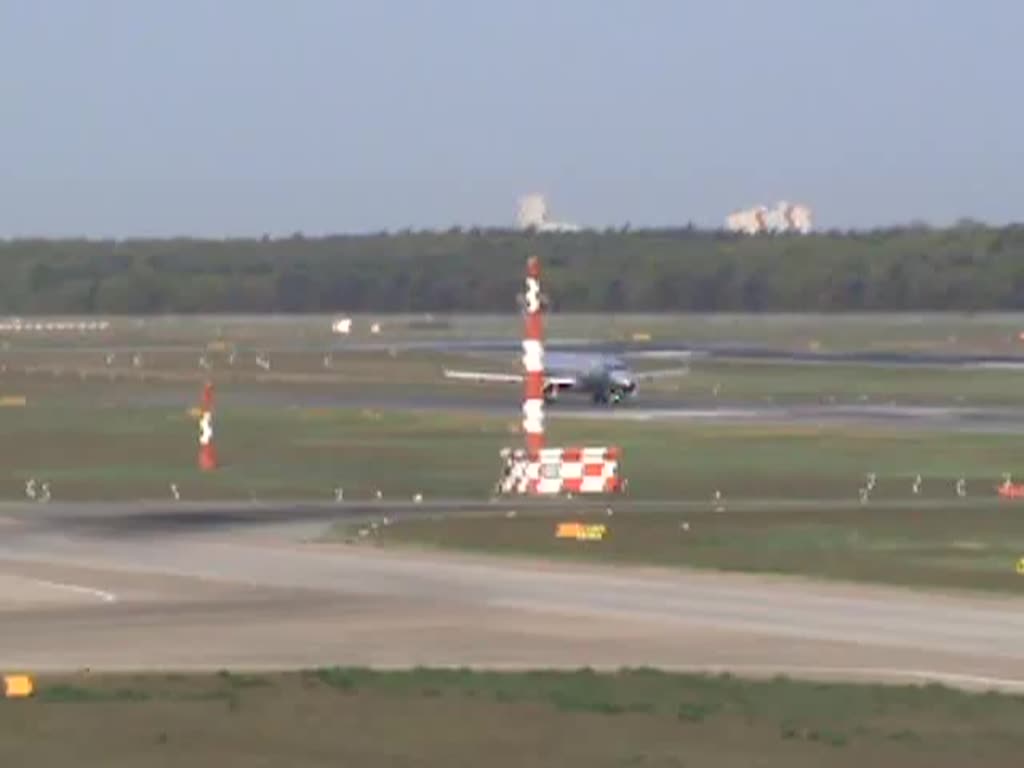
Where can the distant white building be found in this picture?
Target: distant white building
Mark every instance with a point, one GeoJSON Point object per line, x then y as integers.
{"type": "Point", "coordinates": [784, 217]}
{"type": "Point", "coordinates": [533, 214]}
{"type": "Point", "coordinates": [749, 221]}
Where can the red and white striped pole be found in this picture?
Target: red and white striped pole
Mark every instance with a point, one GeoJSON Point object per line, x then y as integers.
{"type": "Point", "coordinates": [207, 449]}
{"type": "Point", "coordinates": [533, 361]}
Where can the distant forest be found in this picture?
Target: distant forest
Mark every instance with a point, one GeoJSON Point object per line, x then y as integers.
{"type": "Point", "coordinates": [965, 268]}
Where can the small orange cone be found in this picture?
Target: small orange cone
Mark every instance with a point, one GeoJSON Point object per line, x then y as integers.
{"type": "Point", "coordinates": [207, 448]}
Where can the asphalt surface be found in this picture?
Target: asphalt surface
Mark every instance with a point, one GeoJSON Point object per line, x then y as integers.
{"type": "Point", "coordinates": [900, 417]}
{"type": "Point", "coordinates": [227, 586]}
{"type": "Point", "coordinates": [497, 401]}
{"type": "Point", "coordinates": [1006, 420]}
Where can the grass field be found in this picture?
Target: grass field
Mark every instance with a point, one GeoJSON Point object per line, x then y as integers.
{"type": "Point", "coordinates": [101, 448]}
{"type": "Point", "coordinates": [333, 717]}
{"type": "Point", "coordinates": [954, 547]}
{"type": "Point", "coordinates": [99, 428]}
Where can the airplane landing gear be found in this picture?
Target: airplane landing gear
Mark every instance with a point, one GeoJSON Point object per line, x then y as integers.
{"type": "Point", "coordinates": [607, 398]}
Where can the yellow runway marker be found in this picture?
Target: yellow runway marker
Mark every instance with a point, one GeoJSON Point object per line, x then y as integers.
{"type": "Point", "coordinates": [13, 401]}
{"type": "Point", "coordinates": [1020, 566]}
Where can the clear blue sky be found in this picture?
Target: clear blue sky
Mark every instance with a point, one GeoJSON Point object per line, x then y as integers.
{"type": "Point", "coordinates": [213, 117]}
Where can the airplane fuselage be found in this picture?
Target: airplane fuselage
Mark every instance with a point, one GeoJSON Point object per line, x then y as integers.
{"type": "Point", "coordinates": [605, 378]}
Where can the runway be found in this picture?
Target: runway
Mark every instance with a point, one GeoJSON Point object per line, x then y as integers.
{"type": "Point", "coordinates": [947, 418]}
{"type": "Point", "coordinates": [133, 587]}
{"type": "Point", "coordinates": [737, 351]}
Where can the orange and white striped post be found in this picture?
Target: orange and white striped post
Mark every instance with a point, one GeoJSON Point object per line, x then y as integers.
{"type": "Point", "coordinates": [207, 448]}
{"type": "Point", "coordinates": [540, 470]}
{"type": "Point", "coordinates": [533, 361]}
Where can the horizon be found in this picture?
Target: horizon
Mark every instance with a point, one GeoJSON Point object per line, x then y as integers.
{"type": "Point", "coordinates": [895, 228]}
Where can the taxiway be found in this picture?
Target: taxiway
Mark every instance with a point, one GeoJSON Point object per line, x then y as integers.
{"type": "Point", "coordinates": [230, 587]}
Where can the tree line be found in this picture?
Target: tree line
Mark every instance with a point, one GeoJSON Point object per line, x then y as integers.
{"type": "Point", "coordinates": [964, 268]}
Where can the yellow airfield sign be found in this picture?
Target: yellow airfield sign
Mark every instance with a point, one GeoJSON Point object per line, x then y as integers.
{"type": "Point", "coordinates": [18, 686]}
{"type": "Point", "coordinates": [581, 531]}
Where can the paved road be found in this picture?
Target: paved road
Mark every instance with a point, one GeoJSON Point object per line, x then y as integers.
{"type": "Point", "coordinates": [1006, 420]}
{"type": "Point", "coordinates": [153, 587]}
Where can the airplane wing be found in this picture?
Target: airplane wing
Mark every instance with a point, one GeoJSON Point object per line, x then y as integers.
{"type": "Point", "coordinates": [483, 376]}
{"type": "Point", "coordinates": [660, 374]}
{"type": "Point", "coordinates": [506, 378]}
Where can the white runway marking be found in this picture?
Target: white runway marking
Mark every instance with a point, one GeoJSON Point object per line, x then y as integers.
{"type": "Point", "coordinates": [106, 597]}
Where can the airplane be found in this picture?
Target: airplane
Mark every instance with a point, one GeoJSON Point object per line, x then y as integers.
{"type": "Point", "coordinates": [606, 378]}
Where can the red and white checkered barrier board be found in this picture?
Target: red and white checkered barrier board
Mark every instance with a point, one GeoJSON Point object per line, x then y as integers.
{"type": "Point", "coordinates": [553, 471]}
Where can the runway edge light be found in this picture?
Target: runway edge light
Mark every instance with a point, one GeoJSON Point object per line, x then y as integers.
{"type": "Point", "coordinates": [18, 686]}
